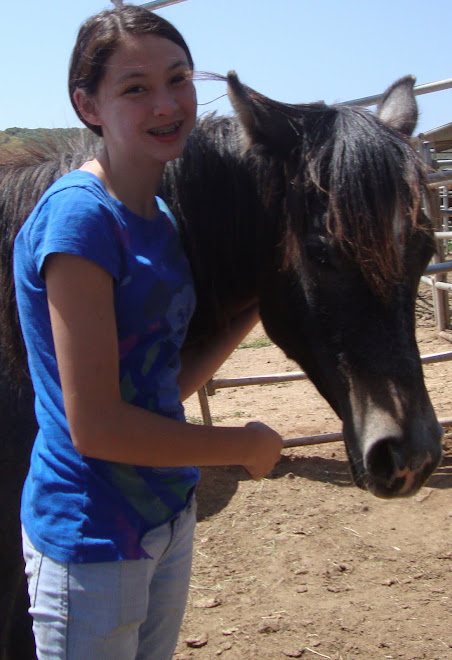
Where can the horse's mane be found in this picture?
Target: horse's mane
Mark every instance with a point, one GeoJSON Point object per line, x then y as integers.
{"type": "Point", "coordinates": [220, 199]}
{"type": "Point", "coordinates": [373, 182]}
{"type": "Point", "coordinates": [25, 174]}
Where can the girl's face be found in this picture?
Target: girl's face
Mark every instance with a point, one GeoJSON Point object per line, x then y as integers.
{"type": "Point", "coordinates": [146, 101]}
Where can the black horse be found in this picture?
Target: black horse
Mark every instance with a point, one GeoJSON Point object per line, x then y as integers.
{"type": "Point", "coordinates": [315, 211]}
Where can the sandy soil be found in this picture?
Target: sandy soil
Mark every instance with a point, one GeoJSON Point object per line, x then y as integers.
{"type": "Point", "coordinates": [303, 564]}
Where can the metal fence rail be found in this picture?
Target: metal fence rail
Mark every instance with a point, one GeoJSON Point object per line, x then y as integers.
{"type": "Point", "coordinates": [215, 384]}
{"type": "Point", "coordinates": [335, 437]}
{"type": "Point", "coordinates": [438, 86]}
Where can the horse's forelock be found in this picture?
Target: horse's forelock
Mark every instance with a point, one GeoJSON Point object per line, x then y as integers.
{"type": "Point", "coordinates": [373, 181]}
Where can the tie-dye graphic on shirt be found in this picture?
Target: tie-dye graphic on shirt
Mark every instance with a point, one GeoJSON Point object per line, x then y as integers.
{"type": "Point", "coordinates": [157, 317]}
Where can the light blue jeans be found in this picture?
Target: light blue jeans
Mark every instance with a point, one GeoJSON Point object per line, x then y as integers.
{"type": "Point", "coordinates": [121, 610]}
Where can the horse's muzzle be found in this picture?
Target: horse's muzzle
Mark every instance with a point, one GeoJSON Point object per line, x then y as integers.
{"type": "Point", "coordinates": [393, 469]}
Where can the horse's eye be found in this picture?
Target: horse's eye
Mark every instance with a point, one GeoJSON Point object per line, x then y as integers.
{"type": "Point", "coordinates": [317, 251]}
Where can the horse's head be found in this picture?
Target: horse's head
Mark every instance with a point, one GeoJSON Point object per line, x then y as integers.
{"type": "Point", "coordinates": [354, 242]}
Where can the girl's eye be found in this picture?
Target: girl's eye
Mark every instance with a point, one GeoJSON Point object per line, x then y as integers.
{"type": "Point", "coordinates": [135, 89]}
{"type": "Point", "coordinates": [181, 78]}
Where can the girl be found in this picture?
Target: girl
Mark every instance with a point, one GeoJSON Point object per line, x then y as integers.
{"type": "Point", "coordinates": [105, 295]}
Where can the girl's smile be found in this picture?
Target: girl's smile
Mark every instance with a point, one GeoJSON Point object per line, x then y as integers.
{"type": "Point", "coordinates": [166, 130]}
{"type": "Point", "coordinates": [167, 133]}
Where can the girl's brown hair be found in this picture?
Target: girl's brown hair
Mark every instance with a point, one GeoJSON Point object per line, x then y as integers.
{"type": "Point", "coordinates": [100, 36]}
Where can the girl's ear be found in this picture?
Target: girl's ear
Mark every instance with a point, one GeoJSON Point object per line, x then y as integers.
{"type": "Point", "coordinates": [87, 106]}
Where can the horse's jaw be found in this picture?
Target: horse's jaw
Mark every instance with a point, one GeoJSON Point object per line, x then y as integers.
{"type": "Point", "coordinates": [392, 451]}
{"type": "Point", "coordinates": [391, 433]}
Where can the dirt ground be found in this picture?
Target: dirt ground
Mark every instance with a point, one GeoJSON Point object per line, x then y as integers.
{"type": "Point", "coordinates": [303, 564]}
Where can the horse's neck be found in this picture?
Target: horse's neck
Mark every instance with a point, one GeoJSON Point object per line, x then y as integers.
{"type": "Point", "coordinates": [213, 193]}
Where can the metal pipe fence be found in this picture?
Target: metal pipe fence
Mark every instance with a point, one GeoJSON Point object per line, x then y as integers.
{"type": "Point", "coordinates": [158, 4]}
{"type": "Point", "coordinates": [215, 384]}
{"type": "Point", "coordinates": [418, 90]}
{"type": "Point", "coordinates": [335, 437]}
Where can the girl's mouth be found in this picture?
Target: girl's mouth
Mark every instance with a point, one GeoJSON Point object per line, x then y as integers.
{"type": "Point", "coordinates": [166, 131]}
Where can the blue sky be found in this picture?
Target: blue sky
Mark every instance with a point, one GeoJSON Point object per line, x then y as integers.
{"type": "Point", "coordinates": [291, 50]}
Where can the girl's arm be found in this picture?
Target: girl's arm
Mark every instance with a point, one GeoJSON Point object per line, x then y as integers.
{"type": "Point", "coordinates": [201, 361]}
{"type": "Point", "coordinates": [102, 425]}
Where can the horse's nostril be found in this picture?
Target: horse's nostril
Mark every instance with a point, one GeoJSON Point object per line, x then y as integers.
{"type": "Point", "coordinates": [392, 472]}
{"type": "Point", "coordinates": [383, 460]}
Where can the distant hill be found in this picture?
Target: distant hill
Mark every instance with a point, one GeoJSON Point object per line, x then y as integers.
{"type": "Point", "coordinates": [12, 137]}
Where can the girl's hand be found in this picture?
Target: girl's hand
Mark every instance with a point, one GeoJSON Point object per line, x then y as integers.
{"type": "Point", "coordinates": [268, 450]}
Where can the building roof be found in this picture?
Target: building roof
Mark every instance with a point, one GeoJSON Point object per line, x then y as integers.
{"type": "Point", "coordinates": [440, 138]}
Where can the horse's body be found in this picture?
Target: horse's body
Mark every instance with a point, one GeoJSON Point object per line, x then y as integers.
{"type": "Point", "coordinates": [320, 219]}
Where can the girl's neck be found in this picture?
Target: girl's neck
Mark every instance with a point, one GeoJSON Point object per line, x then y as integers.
{"type": "Point", "coordinates": [134, 187]}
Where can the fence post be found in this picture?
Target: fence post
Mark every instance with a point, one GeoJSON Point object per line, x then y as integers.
{"type": "Point", "coordinates": [204, 403]}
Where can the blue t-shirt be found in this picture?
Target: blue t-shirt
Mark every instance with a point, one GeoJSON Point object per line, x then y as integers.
{"type": "Point", "coordinates": [82, 509]}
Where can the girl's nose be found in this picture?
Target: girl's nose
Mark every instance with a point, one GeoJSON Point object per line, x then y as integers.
{"type": "Point", "coordinates": [164, 103]}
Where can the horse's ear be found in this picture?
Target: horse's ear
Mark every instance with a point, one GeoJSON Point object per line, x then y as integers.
{"type": "Point", "coordinates": [264, 121]}
{"type": "Point", "coordinates": [398, 107]}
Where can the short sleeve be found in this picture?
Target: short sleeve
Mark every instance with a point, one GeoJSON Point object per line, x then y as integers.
{"type": "Point", "coordinates": [75, 221]}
